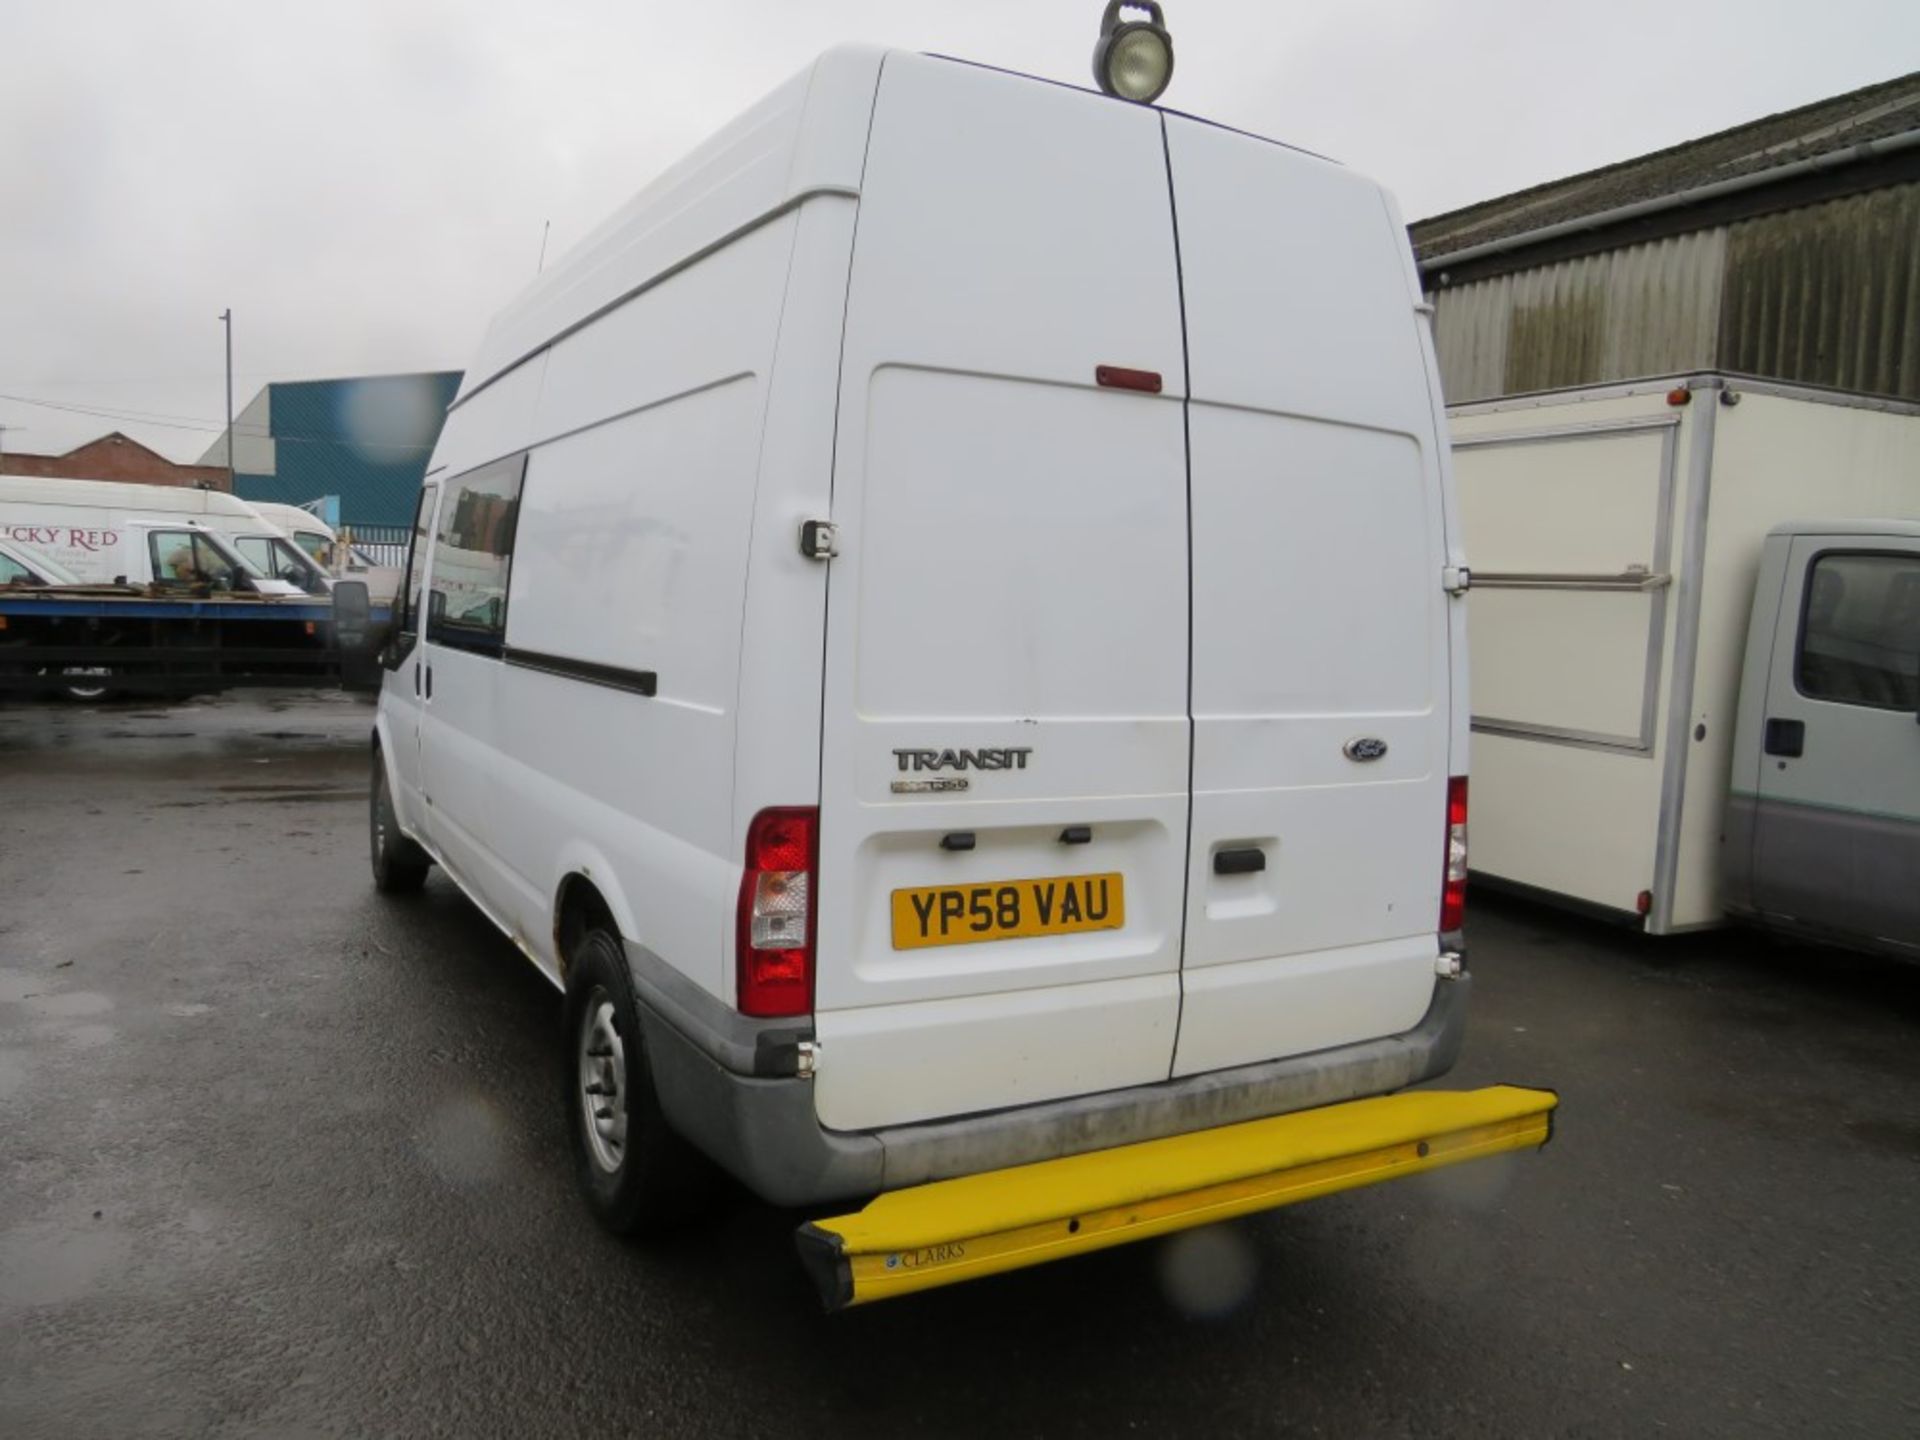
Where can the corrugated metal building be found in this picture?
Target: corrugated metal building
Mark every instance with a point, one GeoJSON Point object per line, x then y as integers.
{"type": "Point", "coordinates": [1787, 248]}
{"type": "Point", "coordinates": [364, 439]}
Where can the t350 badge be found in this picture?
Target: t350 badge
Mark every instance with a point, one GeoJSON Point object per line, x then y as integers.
{"type": "Point", "coordinates": [1008, 758]}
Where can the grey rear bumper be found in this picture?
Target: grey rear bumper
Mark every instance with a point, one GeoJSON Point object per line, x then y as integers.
{"type": "Point", "coordinates": [763, 1129]}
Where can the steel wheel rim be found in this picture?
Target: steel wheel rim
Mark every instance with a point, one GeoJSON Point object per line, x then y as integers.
{"type": "Point", "coordinates": [83, 691]}
{"type": "Point", "coordinates": [602, 1082]}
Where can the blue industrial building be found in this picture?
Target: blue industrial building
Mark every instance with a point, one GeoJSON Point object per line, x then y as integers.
{"type": "Point", "coordinates": [361, 442]}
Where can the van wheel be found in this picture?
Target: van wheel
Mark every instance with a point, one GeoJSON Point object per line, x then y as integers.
{"type": "Point", "coordinates": [399, 866]}
{"type": "Point", "coordinates": [637, 1175]}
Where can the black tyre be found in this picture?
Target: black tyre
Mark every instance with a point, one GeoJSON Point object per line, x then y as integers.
{"type": "Point", "coordinates": [637, 1175]}
{"type": "Point", "coordinates": [399, 866]}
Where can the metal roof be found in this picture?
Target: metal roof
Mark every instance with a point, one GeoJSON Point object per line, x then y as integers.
{"type": "Point", "coordinates": [1826, 127]}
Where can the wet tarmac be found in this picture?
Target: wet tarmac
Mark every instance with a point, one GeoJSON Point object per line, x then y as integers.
{"type": "Point", "coordinates": [279, 1157]}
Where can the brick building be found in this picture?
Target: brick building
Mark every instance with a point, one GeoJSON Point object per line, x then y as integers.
{"type": "Point", "coordinates": [114, 457]}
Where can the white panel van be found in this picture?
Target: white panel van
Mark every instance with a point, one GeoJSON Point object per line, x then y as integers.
{"type": "Point", "coordinates": [103, 531]}
{"type": "Point", "coordinates": [938, 628]}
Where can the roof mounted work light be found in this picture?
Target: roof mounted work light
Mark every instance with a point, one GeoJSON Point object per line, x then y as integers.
{"type": "Point", "coordinates": [1133, 59]}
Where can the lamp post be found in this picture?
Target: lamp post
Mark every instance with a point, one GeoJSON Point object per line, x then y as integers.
{"type": "Point", "coordinates": [226, 319]}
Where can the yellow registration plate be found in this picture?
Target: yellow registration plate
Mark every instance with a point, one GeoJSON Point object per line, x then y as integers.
{"type": "Point", "coordinates": [1007, 910]}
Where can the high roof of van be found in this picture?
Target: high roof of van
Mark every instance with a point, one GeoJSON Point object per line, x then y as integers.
{"type": "Point", "coordinates": [120, 495]}
{"type": "Point", "coordinates": [291, 517]}
{"type": "Point", "coordinates": [808, 137]}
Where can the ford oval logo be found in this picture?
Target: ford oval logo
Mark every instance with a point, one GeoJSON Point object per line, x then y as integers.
{"type": "Point", "coordinates": [1367, 747]}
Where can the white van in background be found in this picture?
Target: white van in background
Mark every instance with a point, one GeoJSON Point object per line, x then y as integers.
{"type": "Point", "coordinates": [337, 554]}
{"type": "Point", "coordinates": [300, 525]}
{"type": "Point", "coordinates": [106, 531]}
{"type": "Point", "coordinates": [19, 566]}
{"type": "Point", "coordinates": [980, 690]}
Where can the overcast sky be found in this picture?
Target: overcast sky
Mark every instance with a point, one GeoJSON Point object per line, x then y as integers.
{"type": "Point", "coordinates": [364, 181]}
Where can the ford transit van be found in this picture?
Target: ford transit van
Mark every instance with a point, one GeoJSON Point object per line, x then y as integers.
{"type": "Point", "coordinates": [938, 628]}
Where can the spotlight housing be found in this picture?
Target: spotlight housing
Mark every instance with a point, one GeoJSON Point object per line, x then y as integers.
{"type": "Point", "coordinates": [1133, 59]}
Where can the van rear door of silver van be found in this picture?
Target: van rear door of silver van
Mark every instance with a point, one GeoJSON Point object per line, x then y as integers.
{"type": "Point", "coordinates": [1005, 753]}
{"type": "Point", "coordinates": [1320, 655]}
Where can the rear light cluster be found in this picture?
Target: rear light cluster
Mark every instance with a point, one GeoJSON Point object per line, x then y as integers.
{"type": "Point", "coordinates": [774, 946]}
{"type": "Point", "coordinates": [1453, 898]}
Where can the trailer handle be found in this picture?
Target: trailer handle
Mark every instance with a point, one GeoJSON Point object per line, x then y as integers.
{"type": "Point", "coordinates": [1626, 580]}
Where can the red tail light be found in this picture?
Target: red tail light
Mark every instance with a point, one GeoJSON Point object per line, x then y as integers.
{"type": "Point", "coordinates": [774, 945]}
{"type": "Point", "coordinates": [1453, 898]}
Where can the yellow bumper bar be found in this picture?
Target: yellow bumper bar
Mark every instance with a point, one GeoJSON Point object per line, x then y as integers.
{"type": "Point", "coordinates": [954, 1230]}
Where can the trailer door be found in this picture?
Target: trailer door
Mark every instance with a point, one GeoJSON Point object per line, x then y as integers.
{"type": "Point", "coordinates": [1568, 522]}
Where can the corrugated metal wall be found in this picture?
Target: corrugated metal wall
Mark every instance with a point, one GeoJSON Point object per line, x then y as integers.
{"type": "Point", "coordinates": [1827, 294]}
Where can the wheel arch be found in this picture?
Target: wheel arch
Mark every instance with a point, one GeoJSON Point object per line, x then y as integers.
{"type": "Point", "coordinates": [382, 754]}
{"type": "Point", "coordinates": [587, 891]}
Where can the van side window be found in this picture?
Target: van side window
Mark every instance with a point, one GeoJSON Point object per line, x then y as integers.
{"type": "Point", "coordinates": [407, 622]}
{"type": "Point", "coordinates": [473, 556]}
{"type": "Point", "coordinates": [182, 557]}
{"type": "Point", "coordinates": [12, 571]}
{"type": "Point", "coordinates": [1860, 631]}
{"type": "Point", "coordinates": [257, 552]}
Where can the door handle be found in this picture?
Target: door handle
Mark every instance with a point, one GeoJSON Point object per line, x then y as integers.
{"type": "Point", "coordinates": [429, 682]}
{"type": "Point", "coordinates": [416, 678]}
{"type": "Point", "coordinates": [1786, 737]}
{"type": "Point", "coordinates": [1246, 861]}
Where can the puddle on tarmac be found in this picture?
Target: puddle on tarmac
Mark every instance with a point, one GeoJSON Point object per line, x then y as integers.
{"type": "Point", "coordinates": [70, 1004]}
{"type": "Point", "coordinates": [1893, 1136]}
{"type": "Point", "coordinates": [13, 1073]}
{"type": "Point", "coordinates": [49, 1262]}
{"type": "Point", "coordinates": [466, 1141]}
{"type": "Point", "coordinates": [83, 1037]}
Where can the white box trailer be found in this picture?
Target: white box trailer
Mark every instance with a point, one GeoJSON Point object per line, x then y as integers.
{"type": "Point", "coordinates": [1614, 535]}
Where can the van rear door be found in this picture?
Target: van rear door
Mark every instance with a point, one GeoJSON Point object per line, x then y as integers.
{"type": "Point", "coordinates": [1320, 633]}
{"type": "Point", "coordinates": [1005, 745]}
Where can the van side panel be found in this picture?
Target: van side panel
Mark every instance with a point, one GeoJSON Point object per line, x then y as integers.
{"type": "Point", "coordinates": [776, 758]}
{"type": "Point", "coordinates": [459, 726]}
{"type": "Point", "coordinates": [1318, 613]}
{"type": "Point", "coordinates": [631, 552]}
{"type": "Point", "coordinates": [1012, 578]}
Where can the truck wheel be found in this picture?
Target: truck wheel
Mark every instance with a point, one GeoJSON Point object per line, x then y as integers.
{"type": "Point", "coordinates": [85, 683]}
{"type": "Point", "coordinates": [637, 1175]}
{"type": "Point", "coordinates": [399, 865]}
